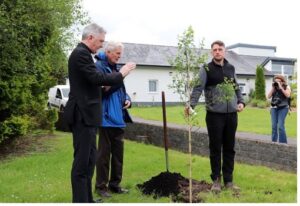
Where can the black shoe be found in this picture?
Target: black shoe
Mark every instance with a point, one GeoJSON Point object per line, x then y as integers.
{"type": "Point", "coordinates": [103, 193]}
{"type": "Point", "coordinates": [118, 190]}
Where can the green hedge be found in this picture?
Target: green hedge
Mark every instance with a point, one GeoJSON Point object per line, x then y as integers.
{"type": "Point", "coordinates": [14, 127]}
{"type": "Point", "coordinates": [34, 39]}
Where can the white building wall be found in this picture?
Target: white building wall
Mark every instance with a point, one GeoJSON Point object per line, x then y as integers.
{"type": "Point", "coordinates": [246, 81]}
{"type": "Point", "coordinates": [137, 84]}
{"type": "Point", "coordinates": [250, 84]}
{"type": "Point", "coordinates": [268, 66]}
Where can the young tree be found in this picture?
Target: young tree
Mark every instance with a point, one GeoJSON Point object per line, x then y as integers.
{"type": "Point", "coordinates": [187, 62]}
{"type": "Point", "coordinates": [260, 84]}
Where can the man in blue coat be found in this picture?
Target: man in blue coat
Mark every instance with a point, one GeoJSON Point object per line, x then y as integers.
{"type": "Point", "coordinates": [115, 102]}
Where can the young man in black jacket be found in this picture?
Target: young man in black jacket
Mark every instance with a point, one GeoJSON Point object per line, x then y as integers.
{"type": "Point", "coordinates": [221, 116]}
{"type": "Point", "coordinates": [83, 109]}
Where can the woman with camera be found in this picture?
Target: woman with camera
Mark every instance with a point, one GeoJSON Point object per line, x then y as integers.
{"type": "Point", "coordinates": [280, 97]}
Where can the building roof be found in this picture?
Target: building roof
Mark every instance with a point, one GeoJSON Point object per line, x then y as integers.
{"type": "Point", "coordinates": [279, 59]}
{"type": "Point", "coordinates": [251, 46]}
{"type": "Point", "coordinates": [146, 54]}
{"type": "Point", "coordinates": [159, 55]}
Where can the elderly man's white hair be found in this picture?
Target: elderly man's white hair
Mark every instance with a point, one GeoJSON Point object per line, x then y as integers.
{"type": "Point", "coordinates": [92, 29]}
{"type": "Point", "coordinates": [112, 45]}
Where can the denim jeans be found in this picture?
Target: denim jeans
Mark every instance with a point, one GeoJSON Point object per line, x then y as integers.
{"type": "Point", "coordinates": [278, 116]}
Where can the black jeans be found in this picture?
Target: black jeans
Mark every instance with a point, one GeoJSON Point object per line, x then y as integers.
{"type": "Point", "coordinates": [110, 153]}
{"type": "Point", "coordinates": [221, 131]}
{"type": "Point", "coordinates": [84, 143]}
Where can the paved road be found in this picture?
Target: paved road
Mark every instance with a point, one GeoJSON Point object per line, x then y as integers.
{"type": "Point", "coordinates": [242, 135]}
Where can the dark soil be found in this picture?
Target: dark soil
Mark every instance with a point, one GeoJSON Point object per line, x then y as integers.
{"type": "Point", "coordinates": [24, 145]}
{"type": "Point", "coordinates": [168, 184]}
{"type": "Point", "coordinates": [198, 187]}
{"type": "Point", "coordinates": [164, 184]}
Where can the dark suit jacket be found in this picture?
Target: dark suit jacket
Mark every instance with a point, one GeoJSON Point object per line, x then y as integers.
{"type": "Point", "coordinates": [85, 86]}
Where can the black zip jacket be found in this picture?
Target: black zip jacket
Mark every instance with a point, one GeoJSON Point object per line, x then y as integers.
{"type": "Point", "coordinates": [210, 77]}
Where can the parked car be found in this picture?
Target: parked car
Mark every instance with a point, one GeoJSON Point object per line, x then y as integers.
{"type": "Point", "coordinates": [58, 96]}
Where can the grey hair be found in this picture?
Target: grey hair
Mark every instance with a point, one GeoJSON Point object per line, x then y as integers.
{"type": "Point", "coordinates": [112, 45]}
{"type": "Point", "coordinates": [92, 29]}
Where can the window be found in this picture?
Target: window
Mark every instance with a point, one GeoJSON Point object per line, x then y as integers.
{"type": "Point", "coordinates": [242, 87]}
{"type": "Point", "coordinates": [65, 92]}
{"type": "Point", "coordinates": [283, 68]}
{"type": "Point", "coordinates": [288, 69]}
{"type": "Point", "coordinates": [276, 68]}
{"type": "Point", "coordinates": [58, 94]}
{"type": "Point", "coordinates": [153, 85]}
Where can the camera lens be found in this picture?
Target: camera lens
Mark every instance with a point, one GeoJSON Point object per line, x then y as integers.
{"type": "Point", "coordinates": [275, 84]}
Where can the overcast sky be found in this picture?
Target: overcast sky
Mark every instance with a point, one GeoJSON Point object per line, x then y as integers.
{"type": "Point", "coordinates": [261, 22]}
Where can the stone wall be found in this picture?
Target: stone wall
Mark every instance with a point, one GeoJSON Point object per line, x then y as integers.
{"type": "Point", "coordinates": [250, 151]}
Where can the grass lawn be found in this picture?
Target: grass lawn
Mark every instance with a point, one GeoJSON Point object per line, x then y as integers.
{"type": "Point", "coordinates": [44, 176]}
{"type": "Point", "coordinates": [250, 120]}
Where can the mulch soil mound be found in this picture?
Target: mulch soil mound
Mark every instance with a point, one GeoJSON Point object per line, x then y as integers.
{"type": "Point", "coordinates": [174, 185]}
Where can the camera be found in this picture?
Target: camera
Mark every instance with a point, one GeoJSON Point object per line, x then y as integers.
{"type": "Point", "coordinates": [275, 101]}
{"type": "Point", "coordinates": [275, 85]}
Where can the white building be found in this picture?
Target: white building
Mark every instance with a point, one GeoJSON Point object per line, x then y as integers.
{"type": "Point", "coordinates": [154, 73]}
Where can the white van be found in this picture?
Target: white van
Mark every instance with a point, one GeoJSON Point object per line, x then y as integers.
{"type": "Point", "coordinates": [58, 96]}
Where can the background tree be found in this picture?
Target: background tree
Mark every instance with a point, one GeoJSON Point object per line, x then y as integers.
{"type": "Point", "coordinates": [187, 62]}
{"type": "Point", "coordinates": [35, 36]}
{"type": "Point", "coordinates": [260, 84]}
{"type": "Point", "coordinates": [294, 90]}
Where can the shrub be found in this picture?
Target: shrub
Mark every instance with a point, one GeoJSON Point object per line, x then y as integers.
{"type": "Point", "coordinates": [252, 94]}
{"type": "Point", "coordinates": [293, 98]}
{"type": "Point", "coordinates": [262, 104]}
{"type": "Point", "coordinates": [254, 102]}
{"type": "Point", "coordinates": [47, 119]}
{"type": "Point", "coordinates": [34, 58]}
{"type": "Point", "coordinates": [260, 84]}
{"type": "Point", "coordinates": [259, 103]}
{"type": "Point", "coordinates": [15, 126]}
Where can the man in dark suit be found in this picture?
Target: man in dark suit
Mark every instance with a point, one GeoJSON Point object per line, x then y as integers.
{"type": "Point", "coordinates": [83, 110]}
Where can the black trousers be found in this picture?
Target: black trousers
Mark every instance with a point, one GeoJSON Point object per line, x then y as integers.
{"type": "Point", "coordinates": [84, 143]}
{"type": "Point", "coordinates": [221, 131]}
{"type": "Point", "coordinates": [110, 153]}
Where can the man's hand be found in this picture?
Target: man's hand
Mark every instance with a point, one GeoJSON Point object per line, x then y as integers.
{"type": "Point", "coordinates": [127, 104]}
{"type": "Point", "coordinates": [188, 111]}
{"type": "Point", "coordinates": [240, 107]}
{"type": "Point", "coordinates": [280, 86]}
{"type": "Point", "coordinates": [127, 68]}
